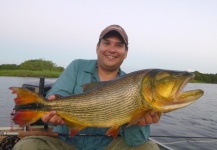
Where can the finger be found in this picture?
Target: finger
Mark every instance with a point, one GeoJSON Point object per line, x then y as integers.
{"type": "Point", "coordinates": [48, 116]}
{"type": "Point", "coordinates": [54, 119]}
{"type": "Point", "coordinates": [142, 122]}
{"type": "Point", "coordinates": [148, 119]}
{"type": "Point", "coordinates": [60, 120]}
{"type": "Point", "coordinates": [57, 120]}
{"type": "Point", "coordinates": [155, 117]}
{"type": "Point", "coordinates": [51, 97]}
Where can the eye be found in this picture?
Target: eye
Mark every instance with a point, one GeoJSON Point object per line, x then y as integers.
{"type": "Point", "coordinates": [120, 45]}
{"type": "Point", "coordinates": [106, 43]}
{"type": "Point", "coordinates": [179, 75]}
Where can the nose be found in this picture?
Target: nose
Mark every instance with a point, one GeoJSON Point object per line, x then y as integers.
{"type": "Point", "coordinates": [112, 49]}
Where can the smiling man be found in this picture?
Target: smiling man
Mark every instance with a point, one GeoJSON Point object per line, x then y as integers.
{"type": "Point", "coordinates": [111, 50]}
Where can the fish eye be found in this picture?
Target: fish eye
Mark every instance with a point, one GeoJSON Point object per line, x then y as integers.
{"type": "Point", "coordinates": [179, 75]}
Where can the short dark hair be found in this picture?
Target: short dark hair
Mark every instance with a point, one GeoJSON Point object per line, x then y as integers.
{"type": "Point", "coordinates": [111, 34]}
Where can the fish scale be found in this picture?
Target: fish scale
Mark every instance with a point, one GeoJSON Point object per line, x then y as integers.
{"type": "Point", "coordinates": [112, 103]}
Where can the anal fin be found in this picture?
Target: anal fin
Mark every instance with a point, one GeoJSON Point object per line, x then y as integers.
{"type": "Point", "coordinates": [75, 130]}
{"type": "Point", "coordinates": [113, 131]}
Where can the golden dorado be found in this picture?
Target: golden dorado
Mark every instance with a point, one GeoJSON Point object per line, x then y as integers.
{"type": "Point", "coordinates": [111, 103]}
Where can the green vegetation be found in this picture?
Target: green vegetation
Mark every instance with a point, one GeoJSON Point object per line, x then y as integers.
{"type": "Point", "coordinates": [32, 68]}
{"type": "Point", "coordinates": [45, 68]}
{"type": "Point", "coordinates": [205, 78]}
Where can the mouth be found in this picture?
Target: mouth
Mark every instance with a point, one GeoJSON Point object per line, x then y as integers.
{"type": "Point", "coordinates": [111, 57]}
{"type": "Point", "coordinates": [189, 95]}
{"type": "Point", "coordinates": [183, 84]}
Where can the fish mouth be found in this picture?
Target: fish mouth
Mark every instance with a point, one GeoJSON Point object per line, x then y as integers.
{"type": "Point", "coordinates": [183, 85]}
{"type": "Point", "coordinates": [167, 93]}
{"type": "Point", "coordinates": [190, 95]}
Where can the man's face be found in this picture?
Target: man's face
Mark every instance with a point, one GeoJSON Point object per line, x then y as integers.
{"type": "Point", "coordinates": [111, 53]}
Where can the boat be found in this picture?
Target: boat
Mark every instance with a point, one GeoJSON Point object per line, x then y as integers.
{"type": "Point", "coordinates": [160, 145]}
{"type": "Point", "coordinates": [9, 136]}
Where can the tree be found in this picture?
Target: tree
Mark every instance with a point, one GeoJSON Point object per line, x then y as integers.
{"type": "Point", "coordinates": [9, 67]}
{"type": "Point", "coordinates": [39, 65]}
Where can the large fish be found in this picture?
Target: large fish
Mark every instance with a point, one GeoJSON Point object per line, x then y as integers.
{"type": "Point", "coordinates": [112, 103]}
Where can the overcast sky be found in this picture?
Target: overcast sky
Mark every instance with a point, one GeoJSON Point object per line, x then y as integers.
{"type": "Point", "coordinates": [166, 34]}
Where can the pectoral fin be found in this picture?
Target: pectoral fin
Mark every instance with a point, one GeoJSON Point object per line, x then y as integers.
{"type": "Point", "coordinates": [137, 115]}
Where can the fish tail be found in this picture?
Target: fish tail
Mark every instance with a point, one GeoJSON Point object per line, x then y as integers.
{"type": "Point", "coordinates": [27, 117]}
{"type": "Point", "coordinates": [25, 96]}
{"type": "Point", "coordinates": [28, 108]}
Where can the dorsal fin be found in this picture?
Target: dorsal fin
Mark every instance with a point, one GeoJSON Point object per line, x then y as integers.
{"type": "Point", "coordinates": [90, 86]}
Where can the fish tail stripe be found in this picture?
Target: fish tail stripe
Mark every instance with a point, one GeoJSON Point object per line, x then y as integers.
{"type": "Point", "coordinates": [25, 96]}
{"type": "Point", "coordinates": [27, 117]}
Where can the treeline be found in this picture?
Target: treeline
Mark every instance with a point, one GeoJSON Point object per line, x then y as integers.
{"type": "Point", "coordinates": [33, 65]}
{"type": "Point", "coordinates": [32, 68]}
{"type": "Point", "coordinates": [46, 68]}
{"type": "Point", "coordinates": [205, 78]}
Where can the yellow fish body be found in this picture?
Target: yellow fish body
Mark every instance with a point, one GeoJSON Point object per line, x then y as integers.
{"type": "Point", "coordinates": [111, 103]}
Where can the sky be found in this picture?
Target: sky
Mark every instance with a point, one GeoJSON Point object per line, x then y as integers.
{"type": "Point", "coordinates": [164, 34]}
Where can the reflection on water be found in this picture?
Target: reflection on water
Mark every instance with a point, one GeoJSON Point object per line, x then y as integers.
{"type": "Point", "coordinates": [198, 119]}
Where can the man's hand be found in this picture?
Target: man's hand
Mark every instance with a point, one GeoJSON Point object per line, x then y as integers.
{"type": "Point", "coordinates": [151, 117]}
{"type": "Point", "coordinates": [52, 117]}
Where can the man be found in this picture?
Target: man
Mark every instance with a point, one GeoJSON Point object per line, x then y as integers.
{"type": "Point", "coordinates": [111, 50]}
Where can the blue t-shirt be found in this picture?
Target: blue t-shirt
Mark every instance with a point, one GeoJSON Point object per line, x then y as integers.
{"type": "Point", "coordinates": [78, 73]}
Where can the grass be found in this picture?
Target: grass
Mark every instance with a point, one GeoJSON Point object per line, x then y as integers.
{"type": "Point", "coordinates": [29, 73]}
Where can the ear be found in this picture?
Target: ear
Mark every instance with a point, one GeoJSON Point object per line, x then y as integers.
{"type": "Point", "coordinates": [126, 52]}
{"type": "Point", "coordinates": [97, 48]}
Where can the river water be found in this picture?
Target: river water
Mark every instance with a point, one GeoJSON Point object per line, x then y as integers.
{"type": "Point", "coordinates": [196, 120]}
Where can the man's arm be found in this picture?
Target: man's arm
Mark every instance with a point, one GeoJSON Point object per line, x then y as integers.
{"type": "Point", "coordinates": [64, 86]}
